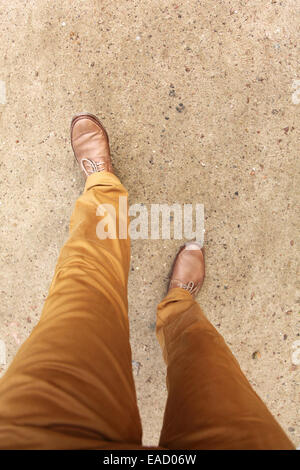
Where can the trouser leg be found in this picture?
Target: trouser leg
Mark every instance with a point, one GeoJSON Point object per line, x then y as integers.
{"type": "Point", "coordinates": [70, 384]}
{"type": "Point", "coordinates": [210, 404]}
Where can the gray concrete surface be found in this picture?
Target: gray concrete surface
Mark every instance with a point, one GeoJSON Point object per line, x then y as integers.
{"type": "Point", "coordinates": [233, 147]}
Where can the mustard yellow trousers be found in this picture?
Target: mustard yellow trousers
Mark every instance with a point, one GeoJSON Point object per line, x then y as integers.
{"type": "Point", "coordinates": [70, 386]}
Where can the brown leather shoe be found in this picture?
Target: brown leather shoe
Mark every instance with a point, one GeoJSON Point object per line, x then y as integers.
{"type": "Point", "coordinates": [90, 144]}
{"type": "Point", "coordinates": [188, 268]}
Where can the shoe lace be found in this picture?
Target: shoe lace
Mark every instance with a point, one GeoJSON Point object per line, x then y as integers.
{"type": "Point", "coordinates": [190, 286]}
{"type": "Point", "coordinates": [93, 167]}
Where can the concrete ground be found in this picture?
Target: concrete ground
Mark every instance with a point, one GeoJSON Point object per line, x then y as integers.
{"type": "Point", "coordinates": [200, 100]}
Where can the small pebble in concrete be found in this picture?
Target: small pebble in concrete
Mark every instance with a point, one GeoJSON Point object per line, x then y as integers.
{"type": "Point", "coordinates": [256, 355]}
{"type": "Point", "coordinates": [180, 107]}
{"type": "Point", "coordinates": [136, 365]}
